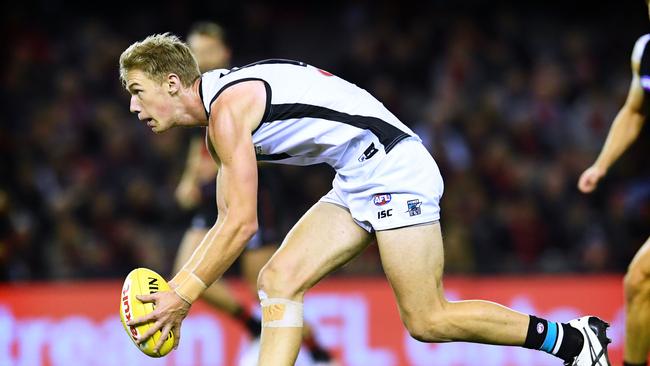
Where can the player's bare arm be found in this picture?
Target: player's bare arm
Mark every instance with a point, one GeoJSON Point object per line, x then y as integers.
{"type": "Point", "coordinates": [232, 118]}
{"type": "Point", "coordinates": [625, 129]}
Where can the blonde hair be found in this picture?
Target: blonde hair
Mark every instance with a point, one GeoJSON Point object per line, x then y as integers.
{"type": "Point", "coordinates": [159, 55]}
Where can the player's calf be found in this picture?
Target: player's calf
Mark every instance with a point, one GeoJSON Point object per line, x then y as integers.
{"type": "Point", "coordinates": [434, 327]}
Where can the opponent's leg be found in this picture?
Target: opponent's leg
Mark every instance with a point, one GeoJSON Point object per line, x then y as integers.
{"type": "Point", "coordinates": [325, 238]}
{"type": "Point", "coordinates": [319, 354]}
{"type": "Point", "coordinates": [412, 258]}
{"type": "Point", "coordinates": [637, 303]}
{"type": "Point", "coordinates": [217, 295]}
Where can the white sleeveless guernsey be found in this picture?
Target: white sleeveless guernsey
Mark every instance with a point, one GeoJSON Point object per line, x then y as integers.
{"type": "Point", "coordinates": [315, 117]}
{"type": "Point", "coordinates": [311, 115]}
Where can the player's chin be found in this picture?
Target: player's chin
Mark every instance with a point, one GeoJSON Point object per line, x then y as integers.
{"type": "Point", "coordinates": [160, 128]}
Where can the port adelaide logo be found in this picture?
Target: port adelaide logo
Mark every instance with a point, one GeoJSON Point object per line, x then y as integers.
{"type": "Point", "coordinates": [413, 207]}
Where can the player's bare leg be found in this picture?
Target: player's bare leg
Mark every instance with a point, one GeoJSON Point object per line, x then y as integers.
{"type": "Point", "coordinates": [637, 303]}
{"type": "Point", "coordinates": [252, 261]}
{"type": "Point", "coordinates": [416, 279]}
{"type": "Point", "coordinates": [325, 238]}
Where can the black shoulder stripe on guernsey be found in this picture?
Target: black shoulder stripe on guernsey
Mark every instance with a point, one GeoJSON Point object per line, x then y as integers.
{"type": "Point", "coordinates": [267, 108]}
{"type": "Point", "coordinates": [272, 157]}
{"type": "Point", "coordinates": [272, 61]}
{"type": "Point", "coordinates": [275, 61]}
{"type": "Point", "coordinates": [387, 134]}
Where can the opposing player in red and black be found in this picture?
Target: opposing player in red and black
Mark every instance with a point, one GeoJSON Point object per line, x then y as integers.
{"type": "Point", "coordinates": [624, 131]}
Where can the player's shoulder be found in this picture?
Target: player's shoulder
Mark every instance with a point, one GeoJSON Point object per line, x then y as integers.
{"type": "Point", "coordinates": [244, 93]}
{"type": "Point", "coordinates": [639, 48]}
{"type": "Point", "coordinates": [213, 75]}
{"type": "Point", "coordinates": [212, 84]}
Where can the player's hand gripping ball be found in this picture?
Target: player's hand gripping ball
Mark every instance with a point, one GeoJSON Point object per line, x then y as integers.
{"type": "Point", "coordinates": [143, 281]}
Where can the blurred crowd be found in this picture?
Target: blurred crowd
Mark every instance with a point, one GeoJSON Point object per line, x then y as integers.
{"type": "Point", "coordinates": [513, 104]}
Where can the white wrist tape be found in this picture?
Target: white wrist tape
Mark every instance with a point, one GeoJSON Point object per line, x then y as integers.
{"type": "Point", "coordinates": [188, 286]}
{"type": "Point", "coordinates": [281, 313]}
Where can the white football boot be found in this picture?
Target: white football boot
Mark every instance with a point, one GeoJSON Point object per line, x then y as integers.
{"type": "Point", "coordinates": [594, 349]}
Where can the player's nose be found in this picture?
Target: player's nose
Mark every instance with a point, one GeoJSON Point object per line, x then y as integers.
{"type": "Point", "coordinates": [134, 106]}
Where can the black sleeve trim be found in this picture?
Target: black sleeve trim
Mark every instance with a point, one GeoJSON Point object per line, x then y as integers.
{"type": "Point", "coordinates": [272, 157]}
{"type": "Point", "coordinates": [267, 108]}
{"type": "Point", "coordinates": [207, 113]}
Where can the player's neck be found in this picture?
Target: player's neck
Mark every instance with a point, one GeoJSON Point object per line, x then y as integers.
{"type": "Point", "coordinates": [194, 112]}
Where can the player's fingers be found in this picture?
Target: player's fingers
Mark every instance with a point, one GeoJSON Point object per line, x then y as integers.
{"type": "Point", "coordinates": [587, 188]}
{"type": "Point", "coordinates": [147, 298]}
{"type": "Point", "coordinates": [177, 335]}
{"type": "Point", "coordinates": [143, 319]}
{"type": "Point", "coordinates": [152, 329]}
{"type": "Point", "coordinates": [587, 183]}
{"type": "Point", "coordinates": [163, 336]}
{"type": "Point", "coordinates": [591, 183]}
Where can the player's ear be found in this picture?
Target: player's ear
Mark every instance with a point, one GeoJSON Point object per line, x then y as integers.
{"type": "Point", "coordinates": [173, 83]}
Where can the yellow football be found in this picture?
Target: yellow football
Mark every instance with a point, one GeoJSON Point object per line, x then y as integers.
{"type": "Point", "coordinates": [143, 281]}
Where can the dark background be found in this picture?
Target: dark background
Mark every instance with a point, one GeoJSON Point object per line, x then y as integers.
{"type": "Point", "coordinates": [512, 98]}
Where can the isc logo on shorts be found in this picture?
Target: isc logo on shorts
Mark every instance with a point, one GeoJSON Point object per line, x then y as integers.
{"type": "Point", "coordinates": [381, 199]}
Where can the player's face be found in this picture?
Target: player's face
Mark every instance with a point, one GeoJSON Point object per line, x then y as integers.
{"type": "Point", "coordinates": [150, 101]}
{"type": "Point", "coordinates": [211, 53]}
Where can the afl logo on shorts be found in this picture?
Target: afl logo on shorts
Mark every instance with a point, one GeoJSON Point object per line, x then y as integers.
{"type": "Point", "coordinates": [381, 199]}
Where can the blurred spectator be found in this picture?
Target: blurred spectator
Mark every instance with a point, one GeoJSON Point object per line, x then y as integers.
{"type": "Point", "coordinates": [512, 101]}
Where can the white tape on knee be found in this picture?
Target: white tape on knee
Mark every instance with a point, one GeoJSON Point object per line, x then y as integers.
{"type": "Point", "coordinates": [280, 313]}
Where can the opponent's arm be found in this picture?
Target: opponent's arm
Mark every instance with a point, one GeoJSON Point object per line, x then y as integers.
{"type": "Point", "coordinates": [625, 129]}
{"type": "Point", "coordinates": [199, 168]}
{"type": "Point", "coordinates": [233, 116]}
{"type": "Point", "coordinates": [187, 192]}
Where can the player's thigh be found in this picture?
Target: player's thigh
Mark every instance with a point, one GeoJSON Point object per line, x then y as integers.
{"type": "Point", "coordinates": [413, 261]}
{"type": "Point", "coordinates": [191, 240]}
{"type": "Point", "coordinates": [325, 238]}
